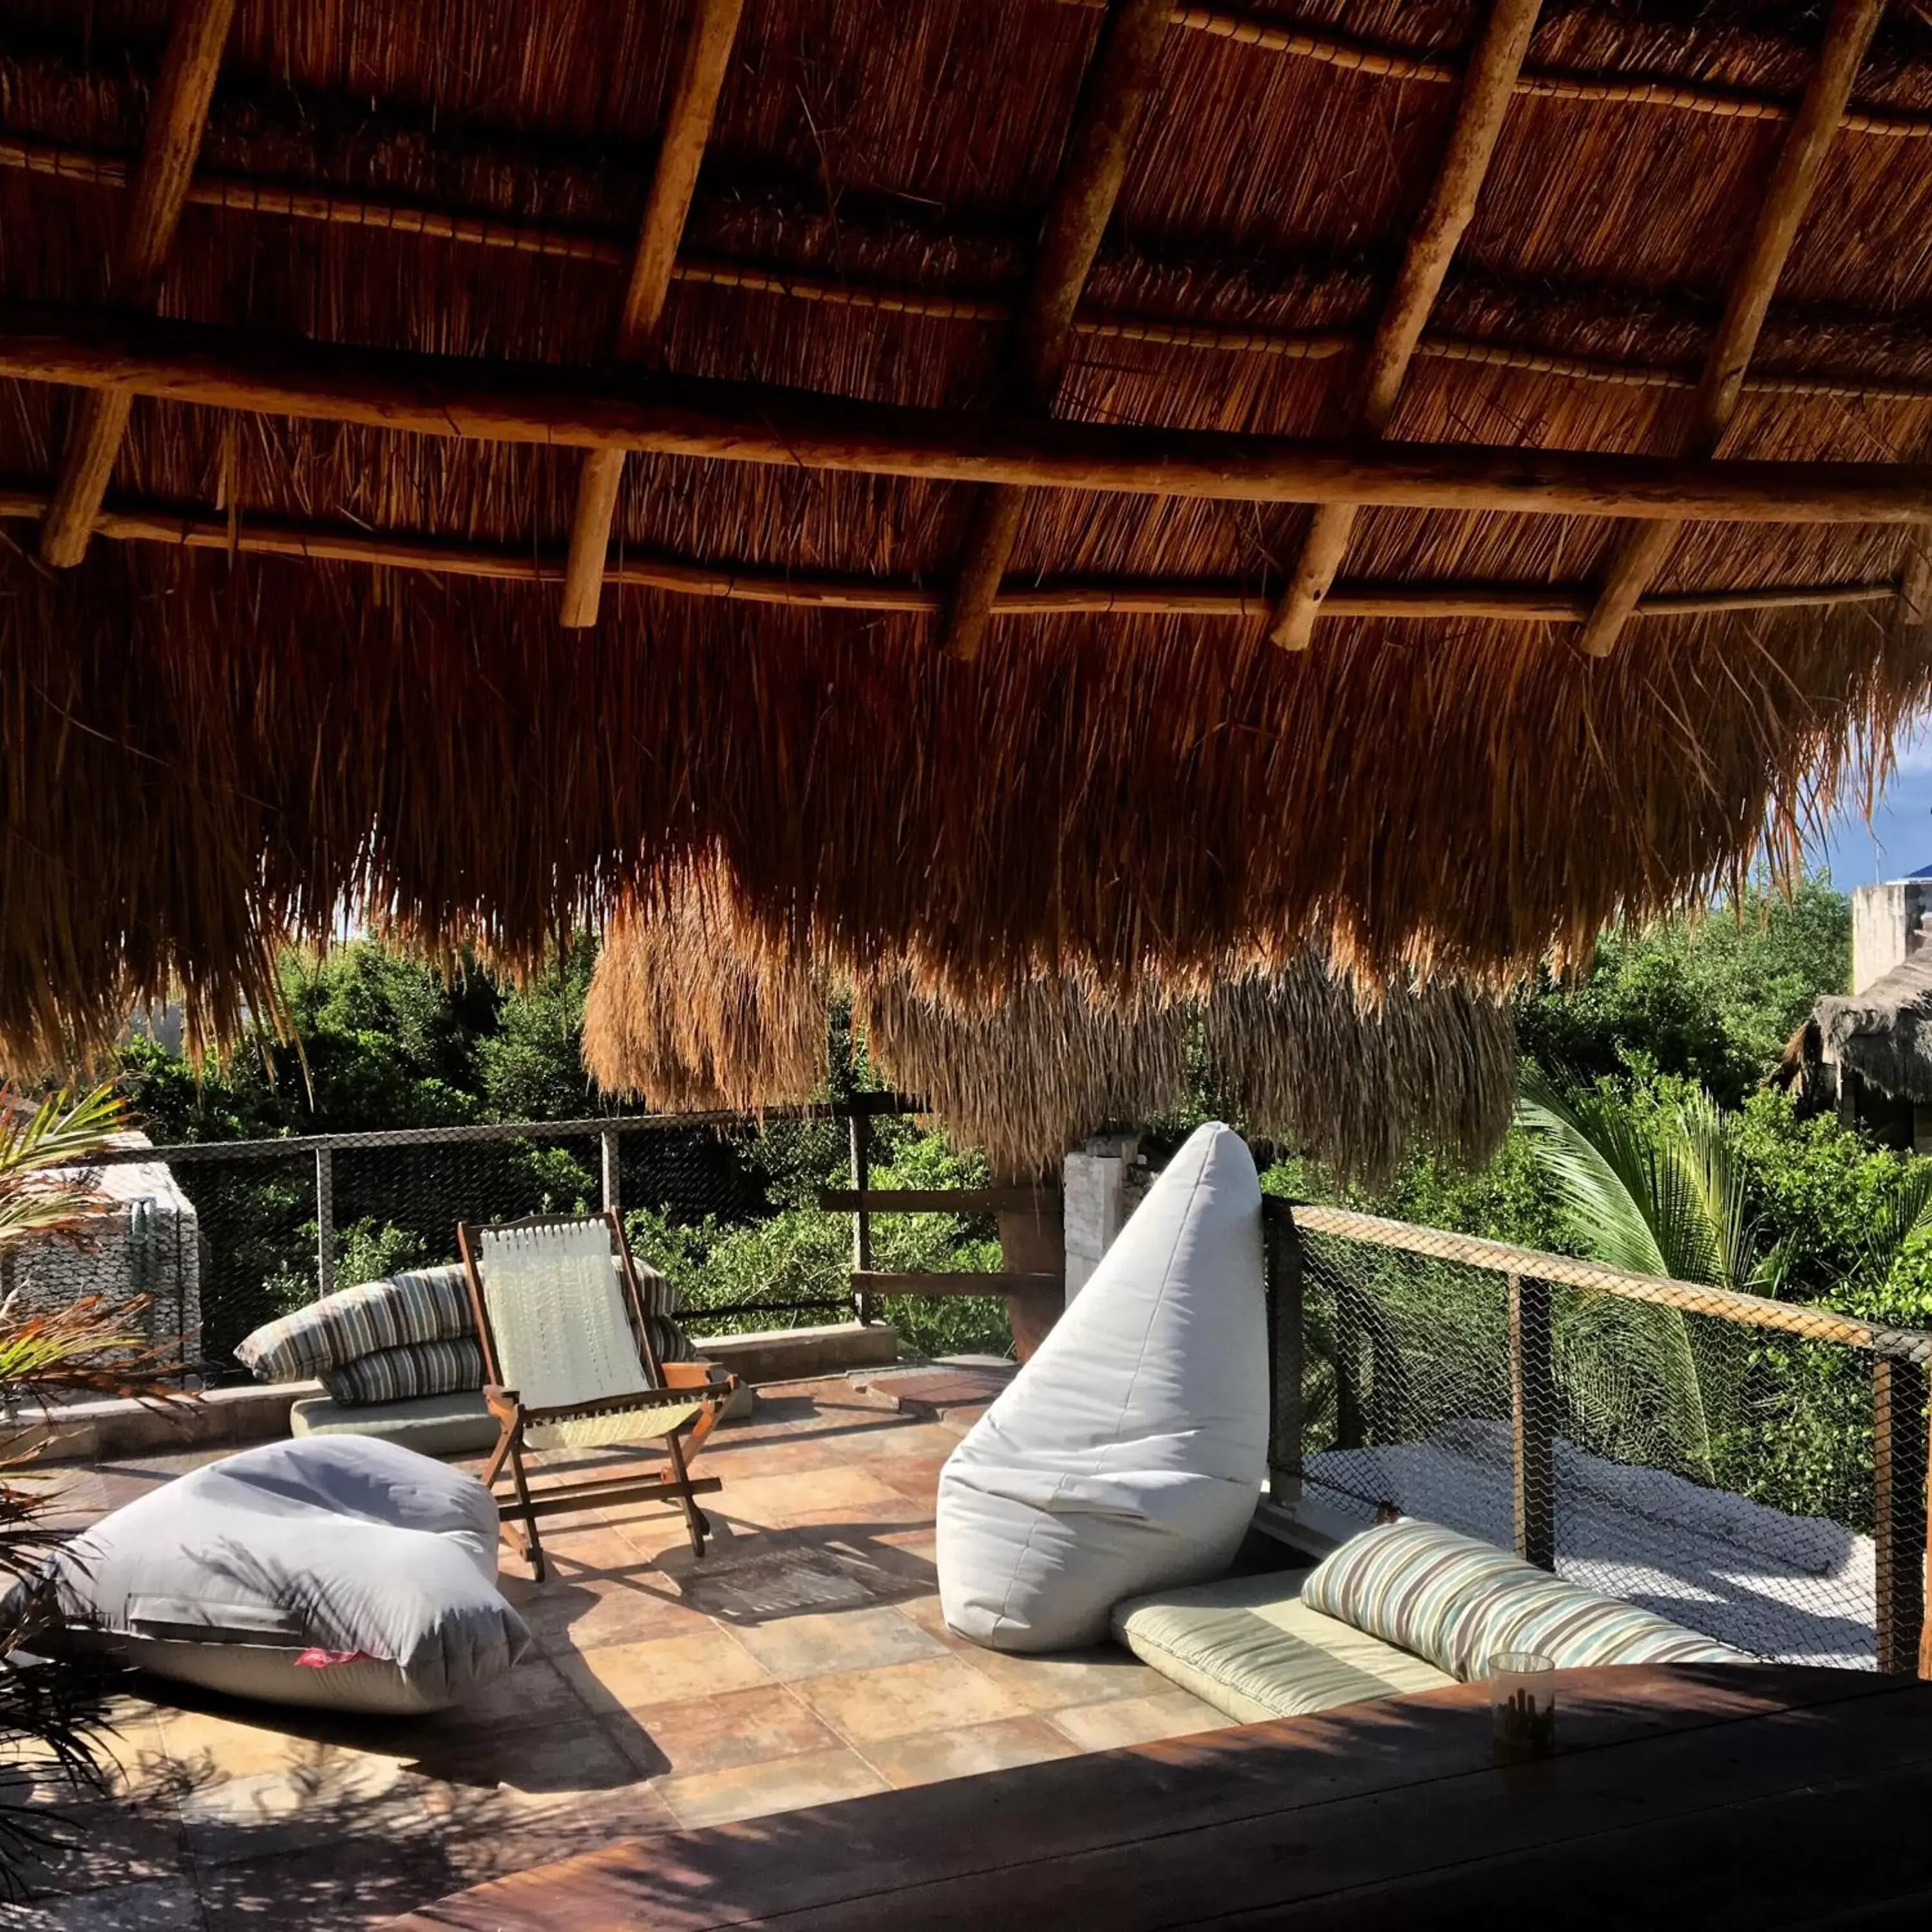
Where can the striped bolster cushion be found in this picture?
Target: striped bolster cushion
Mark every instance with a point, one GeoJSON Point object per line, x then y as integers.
{"type": "Point", "coordinates": [399, 1375]}
{"type": "Point", "coordinates": [1458, 1602]}
{"type": "Point", "coordinates": [429, 1304]}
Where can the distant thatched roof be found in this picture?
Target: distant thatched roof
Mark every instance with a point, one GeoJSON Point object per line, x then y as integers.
{"type": "Point", "coordinates": [1044, 299]}
{"type": "Point", "coordinates": [1884, 1034]}
{"type": "Point", "coordinates": [687, 1009]}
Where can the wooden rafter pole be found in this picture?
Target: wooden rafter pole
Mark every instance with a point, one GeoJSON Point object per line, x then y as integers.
{"type": "Point", "coordinates": [1800, 162]}
{"type": "Point", "coordinates": [1115, 92]}
{"type": "Point", "coordinates": [473, 399]}
{"type": "Point", "coordinates": [313, 542]}
{"type": "Point", "coordinates": [176, 119]}
{"type": "Point", "coordinates": [1488, 85]}
{"type": "Point", "coordinates": [707, 51]}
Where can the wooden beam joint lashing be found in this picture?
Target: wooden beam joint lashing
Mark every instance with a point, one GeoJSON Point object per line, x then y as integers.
{"type": "Point", "coordinates": [707, 50]}
{"type": "Point", "coordinates": [1118, 82]}
{"type": "Point", "coordinates": [1487, 89]}
{"type": "Point", "coordinates": [177, 116]}
{"type": "Point", "coordinates": [1794, 181]}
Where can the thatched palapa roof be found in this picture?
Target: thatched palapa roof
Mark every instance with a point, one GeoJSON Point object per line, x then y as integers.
{"type": "Point", "coordinates": [1884, 1034]}
{"type": "Point", "coordinates": [691, 1008]}
{"type": "Point", "coordinates": [1039, 486]}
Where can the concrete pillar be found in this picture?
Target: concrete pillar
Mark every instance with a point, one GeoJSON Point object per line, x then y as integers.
{"type": "Point", "coordinates": [1095, 1202]}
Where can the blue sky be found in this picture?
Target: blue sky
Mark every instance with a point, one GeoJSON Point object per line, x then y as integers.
{"type": "Point", "coordinates": [1899, 838]}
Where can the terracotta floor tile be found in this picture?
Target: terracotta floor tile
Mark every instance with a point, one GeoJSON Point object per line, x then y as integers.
{"type": "Point", "coordinates": [344, 1887]}
{"type": "Point", "coordinates": [939, 1694]}
{"type": "Point", "coordinates": [664, 1670]}
{"type": "Point", "coordinates": [754, 1790]}
{"type": "Point", "coordinates": [924, 1611]}
{"type": "Point", "coordinates": [931, 1756]}
{"type": "Point", "coordinates": [88, 1846]}
{"type": "Point", "coordinates": [535, 1691]}
{"type": "Point", "coordinates": [530, 1770]}
{"type": "Point", "coordinates": [207, 1746]}
{"type": "Point", "coordinates": [1137, 1720]}
{"type": "Point", "coordinates": [777, 1501]}
{"type": "Point", "coordinates": [483, 1843]}
{"type": "Point", "coordinates": [337, 1795]}
{"type": "Point", "coordinates": [566, 1616]}
{"type": "Point", "coordinates": [840, 1640]}
{"type": "Point", "coordinates": [152, 1905]}
{"type": "Point", "coordinates": [714, 1733]}
{"type": "Point", "coordinates": [1096, 1676]}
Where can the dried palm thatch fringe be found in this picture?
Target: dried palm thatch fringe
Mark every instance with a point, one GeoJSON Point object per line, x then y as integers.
{"type": "Point", "coordinates": [688, 1012]}
{"type": "Point", "coordinates": [1025, 1077]}
{"type": "Point", "coordinates": [691, 1006]}
{"type": "Point", "coordinates": [207, 756]}
{"type": "Point", "coordinates": [1357, 1084]}
{"type": "Point", "coordinates": [207, 751]}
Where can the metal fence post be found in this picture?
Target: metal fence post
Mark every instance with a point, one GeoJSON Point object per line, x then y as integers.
{"type": "Point", "coordinates": [609, 1144]}
{"type": "Point", "coordinates": [1898, 1510]}
{"type": "Point", "coordinates": [324, 1220]}
{"type": "Point", "coordinates": [1532, 1422]}
{"type": "Point", "coordinates": [860, 1123]}
{"type": "Point", "coordinates": [1281, 1259]}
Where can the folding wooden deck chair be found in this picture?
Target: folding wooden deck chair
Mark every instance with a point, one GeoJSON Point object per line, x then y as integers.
{"type": "Point", "coordinates": [569, 1363]}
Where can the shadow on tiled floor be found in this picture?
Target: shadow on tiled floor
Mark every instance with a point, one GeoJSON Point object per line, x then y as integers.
{"type": "Point", "coordinates": [803, 1660]}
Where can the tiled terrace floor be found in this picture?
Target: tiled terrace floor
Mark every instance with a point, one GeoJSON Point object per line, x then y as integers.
{"type": "Point", "coordinates": [803, 1660]}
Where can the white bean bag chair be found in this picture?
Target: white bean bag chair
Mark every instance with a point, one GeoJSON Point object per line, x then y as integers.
{"type": "Point", "coordinates": [337, 1571]}
{"type": "Point", "coordinates": [1128, 1455]}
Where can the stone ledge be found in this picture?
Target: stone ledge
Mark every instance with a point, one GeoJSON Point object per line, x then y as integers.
{"type": "Point", "coordinates": [99, 1432]}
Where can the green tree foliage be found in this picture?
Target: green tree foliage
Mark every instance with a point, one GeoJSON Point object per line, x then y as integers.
{"type": "Point", "coordinates": [382, 1042]}
{"type": "Point", "coordinates": [1713, 1000]}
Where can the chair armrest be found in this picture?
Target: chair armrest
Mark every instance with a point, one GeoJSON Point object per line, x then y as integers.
{"type": "Point", "coordinates": [696, 1376]}
{"type": "Point", "coordinates": [505, 1404]}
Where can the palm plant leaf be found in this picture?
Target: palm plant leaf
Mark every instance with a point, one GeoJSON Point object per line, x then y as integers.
{"type": "Point", "coordinates": [62, 1133]}
{"type": "Point", "coordinates": [1627, 1204]}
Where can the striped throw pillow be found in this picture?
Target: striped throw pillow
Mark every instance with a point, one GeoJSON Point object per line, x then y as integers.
{"type": "Point", "coordinates": [1407, 1583]}
{"type": "Point", "coordinates": [1456, 1602]}
{"type": "Point", "coordinates": [399, 1375]}
{"type": "Point", "coordinates": [429, 1304]}
{"type": "Point", "coordinates": [1572, 1627]}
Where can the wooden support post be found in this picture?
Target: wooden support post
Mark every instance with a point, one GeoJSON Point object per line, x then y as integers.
{"type": "Point", "coordinates": [1095, 162]}
{"type": "Point", "coordinates": [1281, 1259]}
{"type": "Point", "coordinates": [860, 1123]}
{"type": "Point", "coordinates": [325, 1221]}
{"type": "Point", "coordinates": [1898, 1511]}
{"type": "Point", "coordinates": [1351, 1323]}
{"type": "Point", "coordinates": [1532, 1422]}
{"type": "Point", "coordinates": [176, 117]}
{"type": "Point", "coordinates": [1800, 162]}
{"type": "Point", "coordinates": [1494, 66]}
{"type": "Point", "coordinates": [707, 49]}
{"type": "Point", "coordinates": [610, 1145]}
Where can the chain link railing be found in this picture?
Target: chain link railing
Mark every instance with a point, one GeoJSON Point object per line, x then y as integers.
{"type": "Point", "coordinates": [276, 1223]}
{"type": "Point", "coordinates": [1753, 1468]}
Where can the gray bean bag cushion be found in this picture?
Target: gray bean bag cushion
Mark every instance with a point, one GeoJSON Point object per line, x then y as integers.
{"type": "Point", "coordinates": [337, 1571]}
{"type": "Point", "coordinates": [1129, 1453]}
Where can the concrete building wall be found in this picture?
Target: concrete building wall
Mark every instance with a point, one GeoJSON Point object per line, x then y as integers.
{"type": "Point", "coordinates": [1887, 927]}
{"type": "Point", "coordinates": [147, 1241]}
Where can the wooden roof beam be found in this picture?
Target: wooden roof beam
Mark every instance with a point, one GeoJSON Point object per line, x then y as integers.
{"type": "Point", "coordinates": [712, 28]}
{"type": "Point", "coordinates": [1388, 63]}
{"type": "Point", "coordinates": [491, 401]}
{"type": "Point", "coordinates": [313, 541]}
{"type": "Point", "coordinates": [1495, 63]}
{"type": "Point", "coordinates": [1800, 162]}
{"type": "Point", "coordinates": [1117, 84]}
{"type": "Point", "coordinates": [177, 115]}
